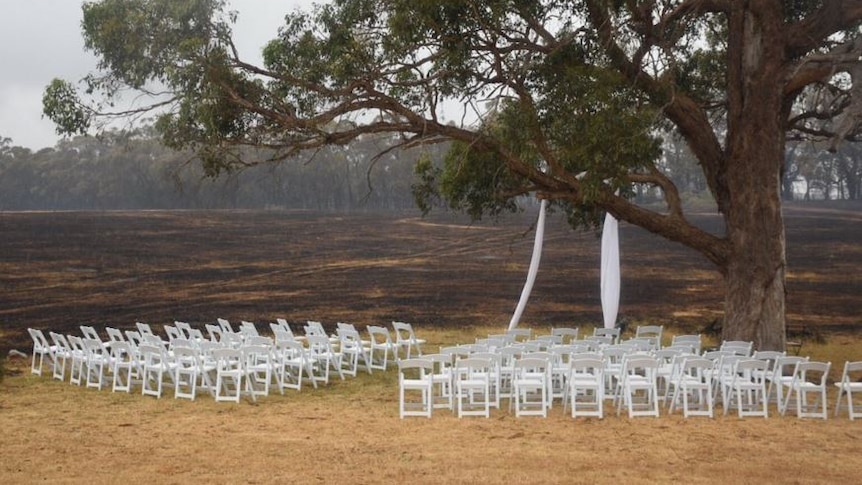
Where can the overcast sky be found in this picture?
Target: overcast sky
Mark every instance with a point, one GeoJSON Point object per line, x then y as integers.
{"type": "Point", "coordinates": [41, 40]}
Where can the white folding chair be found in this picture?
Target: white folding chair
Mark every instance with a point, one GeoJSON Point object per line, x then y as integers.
{"type": "Point", "coordinates": [353, 354]}
{"type": "Point", "coordinates": [530, 387]}
{"type": "Point", "coordinates": [124, 366]}
{"type": "Point", "coordinates": [186, 372]}
{"type": "Point", "coordinates": [747, 389]}
{"type": "Point", "coordinates": [694, 384]}
{"type": "Point", "coordinates": [783, 369]}
{"type": "Point", "coordinates": [442, 395]}
{"type": "Point", "coordinates": [290, 364]}
{"type": "Point", "coordinates": [586, 386]}
{"type": "Point", "coordinates": [79, 360]}
{"type": "Point", "coordinates": [415, 375]}
{"type": "Point", "coordinates": [41, 348]}
{"type": "Point", "coordinates": [851, 381]}
{"type": "Point", "coordinates": [98, 361]}
{"type": "Point", "coordinates": [493, 377]}
{"type": "Point", "coordinates": [652, 333]}
{"type": "Point", "coordinates": [323, 357]}
{"type": "Point", "coordinates": [809, 378]}
{"type": "Point", "coordinates": [62, 353]}
{"type": "Point", "coordinates": [380, 346]}
{"type": "Point", "coordinates": [258, 369]}
{"type": "Point", "coordinates": [472, 387]}
{"type": "Point", "coordinates": [405, 338]}
{"type": "Point", "coordinates": [229, 374]}
{"type": "Point", "coordinates": [639, 386]}
{"type": "Point", "coordinates": [155, 366]}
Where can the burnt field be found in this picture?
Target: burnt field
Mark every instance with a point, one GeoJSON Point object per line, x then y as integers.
{"type": "Point", "coordinates": [59, 270]}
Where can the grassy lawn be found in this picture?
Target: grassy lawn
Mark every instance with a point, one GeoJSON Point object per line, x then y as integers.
{"type": "Point", "coordinates": [350, 432]}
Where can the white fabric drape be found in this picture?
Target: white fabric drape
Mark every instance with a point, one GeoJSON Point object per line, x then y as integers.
{"type": "Point", "coordinates": [610, 276]}
{"type": "Point", "coordinates": [534, 267]}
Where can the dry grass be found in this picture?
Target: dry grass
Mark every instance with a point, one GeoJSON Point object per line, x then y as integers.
{"type": "Point", "coordinates": [350, 432]}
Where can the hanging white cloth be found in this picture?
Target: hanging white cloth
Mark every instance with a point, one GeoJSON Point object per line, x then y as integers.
{"type": "Point", "coordinates": [534, 266]}
{"type": "Point", "coordinates": [610, 275]}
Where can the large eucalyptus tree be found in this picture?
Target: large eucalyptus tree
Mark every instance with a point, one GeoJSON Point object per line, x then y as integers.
{"type": "Point", "coordinates": [559, 97]}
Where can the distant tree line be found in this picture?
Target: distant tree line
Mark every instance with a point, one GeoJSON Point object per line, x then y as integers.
{"type": "Point", "coordinates": [134, 171]}
{"type": "Point", "coordinates": [123, 170]}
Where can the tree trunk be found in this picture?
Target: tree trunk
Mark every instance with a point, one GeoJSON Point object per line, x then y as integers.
{"type": "Point", "coordinates": [755, 270]}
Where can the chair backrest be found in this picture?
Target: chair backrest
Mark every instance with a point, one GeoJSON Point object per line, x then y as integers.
{"type": "Point", "coordinates": [318, 344]}
{"type": "Point", "coordinates": [613, 333]}
{"type": "Point", "coordinates": [813, 372]}
{"type": "Point", "coordinates": [90, 332]}
{"type": "Point", "coordinates": [520, 334]}
{"type": "Point", "coordinates": [144, 328]}
{"type": "Point", "coordinates": [568, 334]}
{"type": "Point", "coordinates": [600, 340]}
{"type": "Point", "coordinates": [379, 335]}
{"type": "Point", "coordinates": [181, 342]}
{"type": "Point", "coordinates": [59, 341]}
{"type": "Point", "coordinates": [232, 340]}
{"type": "Point", "coordinates": [184, 327]}
{"type": "Point", "coordinates": [531, 365]}
{"type": "Point", "coordinates": [213, 331]}
{"type": "Point", "coordinates": [259, 340]}
{"type": "Point", "coordinates": [256, 354]}
{"type": "Point", "coordinates": [640, 365]}
{"type": "Point", "coordinates": [740, 347]}
{"type": "Point", "coordinates": [186, 358]}
{"type": "Point", "coordinates": [786, 366]}
{"type": "Point", "coordinates": [114, 334]}
{"type": "Point", "coordinates": [152, 355]}
{"type": "Point", "coordinates": [172, 332]}
{"type": "Point", "coordinates": [751, 370]}
{"type": "Point", "coordinates": [314, 328]}
{"type": "Point", "coordinates": [641, 344]}
{"type": "Point", "coordinates": [224, 325]}
{"type": "Point", "coordinates": [134, 338]}
{"type": "Point", "coordinates": [227, 359]}
{"type": "Point", "coordinates": [152, 339]}
{"type": "Point", "coordinates": [76, 343]}
{"type": "Point", "coordinates": [248, 329]}
{"type": "Point", "coordinates": [121, 351]}
{"type": "Point", "coordinates": [423, 366]}
{"type": "Point", "coordinates": [587, 364]}
{"type": "Point", "coordinates": [648, 331]}
{"type": "Point", "coordinates": [39, 340]}
{"type": "Point", "coordinates": [281, 322]}
{"type": "Point", "coordinates": [690, 339]}
{"type": "Point", "coordinates": [289, 349]}
{"type": "Point", "coordinates": [473, 365]}
{"type": "Point", "coordinates": [697, 366]}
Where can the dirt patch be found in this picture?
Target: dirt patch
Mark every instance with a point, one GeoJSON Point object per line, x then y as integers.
{"type": "Point", "coordinates": [62, 269]}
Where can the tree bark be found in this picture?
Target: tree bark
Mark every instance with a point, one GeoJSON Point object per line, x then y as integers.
{"type": "Point", "coordinates": [755, 270]}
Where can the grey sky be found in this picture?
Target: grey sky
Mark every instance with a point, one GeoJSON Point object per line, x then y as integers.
{"type": "Point", "coordinates": [41, 40]}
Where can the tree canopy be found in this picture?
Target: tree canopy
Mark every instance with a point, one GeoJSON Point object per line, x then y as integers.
{"type": "Point", "coordinates": [564, 98]}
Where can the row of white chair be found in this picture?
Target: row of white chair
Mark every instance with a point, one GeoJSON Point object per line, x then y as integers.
{"type": "Point", "coordinates": [746, 383]}
{"type": "Point", "coordinates": [227, 364]}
